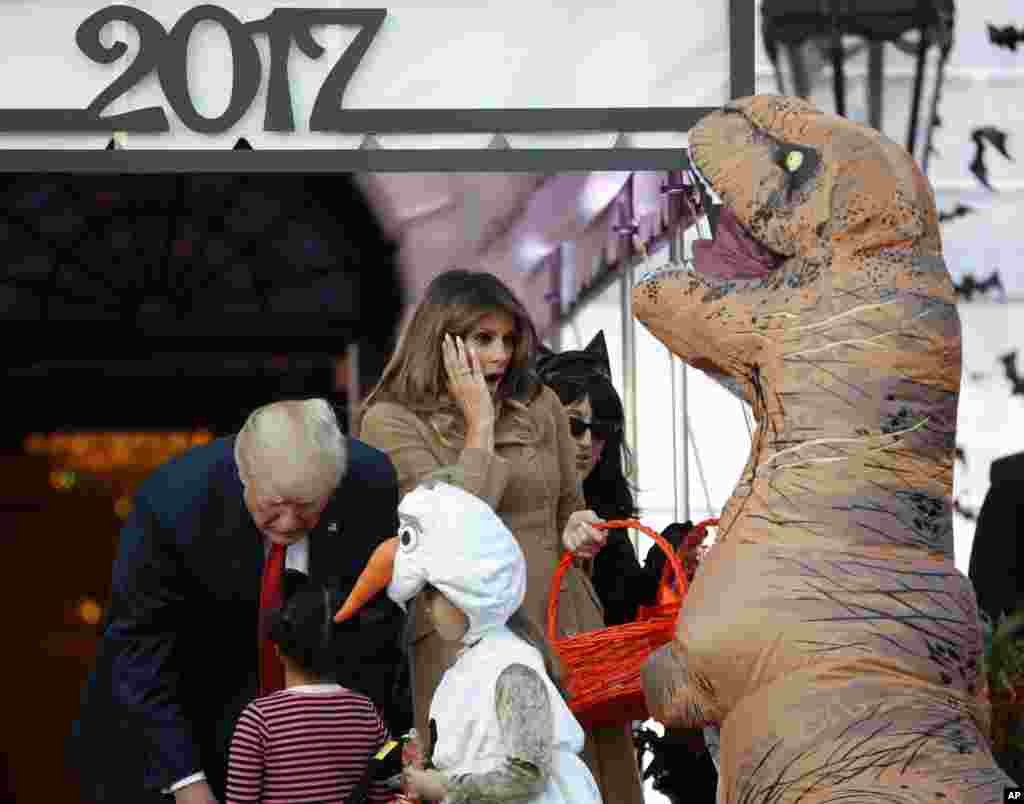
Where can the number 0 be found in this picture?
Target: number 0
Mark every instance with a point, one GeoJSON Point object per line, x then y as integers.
{"type": "Point", "coordinates": [245, 65]}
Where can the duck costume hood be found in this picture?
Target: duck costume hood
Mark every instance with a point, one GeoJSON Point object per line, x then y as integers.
{"type": "Point", "coordinates": [454, 541]}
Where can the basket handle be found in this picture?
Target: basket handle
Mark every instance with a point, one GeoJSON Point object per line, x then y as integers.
{"type": "Point", "coordinates": [696, 536]}
{"type": "Point", "coordinates": [567, 559]}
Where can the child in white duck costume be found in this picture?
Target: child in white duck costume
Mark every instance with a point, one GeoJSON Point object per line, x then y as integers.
{"type": "Point", "coordinates": [503, 729]}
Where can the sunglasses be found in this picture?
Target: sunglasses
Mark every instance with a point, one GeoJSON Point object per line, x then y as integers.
{"type": "Point", "coordinates": [601, 430]}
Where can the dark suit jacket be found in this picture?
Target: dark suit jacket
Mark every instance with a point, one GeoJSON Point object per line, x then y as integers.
{"type": "Point", "coordinates": [994, 568]}
{"type": "Point", "coordinates": [178, 657]}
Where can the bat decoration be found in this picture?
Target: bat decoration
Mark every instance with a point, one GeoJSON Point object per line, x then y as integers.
{"type": "Point", "coordinates": [967, 513]}
{"type": "Point", "coordinates": [961, 455]}
{"type": "Point", "coordinates": [1009, 362]}
{"type": "Point", "coordinates": [959, 211]}
{"type": "Point", "coordinates": [982, 138]}
{"type": "Point", "coordinates": [969, 286]}
{"type": "Point", "coordinates": [1007, 36]}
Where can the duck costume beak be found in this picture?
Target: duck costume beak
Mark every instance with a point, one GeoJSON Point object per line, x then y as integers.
{"type": "Point", "coordinates": [374, 578]}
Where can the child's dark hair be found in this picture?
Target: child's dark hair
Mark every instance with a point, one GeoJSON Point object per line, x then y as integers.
{"type": "Point", "coordinates": [303, 628]}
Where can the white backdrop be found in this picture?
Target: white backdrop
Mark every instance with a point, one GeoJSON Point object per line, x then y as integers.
{"type": "Point", "coordinates": [464, 55]}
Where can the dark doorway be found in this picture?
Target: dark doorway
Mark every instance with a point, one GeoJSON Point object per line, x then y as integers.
{"type": "Point", "coordinates": [155, 304]}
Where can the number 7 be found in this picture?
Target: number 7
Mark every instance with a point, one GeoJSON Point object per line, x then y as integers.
{"type": "Point", "coordinates": [285, 24]}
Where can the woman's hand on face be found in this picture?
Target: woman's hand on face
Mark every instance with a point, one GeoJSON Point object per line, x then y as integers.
{"type": "Point", "coordinates": [466, 382]}
{"type": "Point", "coordinates": [581, 537]}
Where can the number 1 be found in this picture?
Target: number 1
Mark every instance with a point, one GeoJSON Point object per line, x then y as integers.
{"type": "Point", "coordinates": [284, 25]}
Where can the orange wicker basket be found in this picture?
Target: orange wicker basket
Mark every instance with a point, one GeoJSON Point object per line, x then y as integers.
{"type": "Point", "coordinates": [603, 666]}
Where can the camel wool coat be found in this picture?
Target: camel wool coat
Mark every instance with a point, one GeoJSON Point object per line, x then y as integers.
{"type": "Point", "coordinates": [530, 480]}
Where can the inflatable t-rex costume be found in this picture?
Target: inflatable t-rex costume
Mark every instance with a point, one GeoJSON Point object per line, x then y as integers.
{"type": "Point", "coordinates": [827, 630]}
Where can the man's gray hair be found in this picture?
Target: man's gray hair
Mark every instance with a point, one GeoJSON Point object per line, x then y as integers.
{"type": "Point", "coordinates": [293, 449]}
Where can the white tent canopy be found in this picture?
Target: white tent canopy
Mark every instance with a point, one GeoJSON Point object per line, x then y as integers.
{"type": "Point", "coordinates": [521, 226]}
{"type": "Point", "coordinates": [490, 55]}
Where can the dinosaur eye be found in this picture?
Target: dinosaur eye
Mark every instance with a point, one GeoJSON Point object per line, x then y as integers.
{"type": "Point", "coordinates": [793, 161]}
{"type": "Point", "coordinates": [408, 538]}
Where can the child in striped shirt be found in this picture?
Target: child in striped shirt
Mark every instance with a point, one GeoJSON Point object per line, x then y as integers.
{"type": "Point", "coordinates": [313, 740]}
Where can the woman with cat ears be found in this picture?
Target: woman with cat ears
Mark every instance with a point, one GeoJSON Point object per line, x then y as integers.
{"type": "Point", "coordinates": [503, 729]}
{"type": "Point", "coordinates": [582, 379]}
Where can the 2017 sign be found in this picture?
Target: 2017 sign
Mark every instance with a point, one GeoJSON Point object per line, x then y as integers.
{"type": "Point", "coordinates": [166, 53]}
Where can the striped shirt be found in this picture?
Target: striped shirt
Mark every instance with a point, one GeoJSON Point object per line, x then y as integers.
{"type": "Point", "coordinates": [305, 744]}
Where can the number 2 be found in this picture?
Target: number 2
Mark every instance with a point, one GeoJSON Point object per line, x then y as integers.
{"type": "Point", "coordinates": [152, 38]}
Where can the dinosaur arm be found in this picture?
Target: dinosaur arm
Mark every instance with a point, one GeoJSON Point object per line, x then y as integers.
{"type": "Point", "coordinates": [675, 696]}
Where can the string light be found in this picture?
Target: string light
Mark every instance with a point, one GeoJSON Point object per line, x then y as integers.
{"type": "Point", "coordinates": [63, 480]}
{"type": "Point", "coordinates": [89, 611]}
{"type": "Point", "coordinates": [105, 452]}
{"type": "Point", "coordinates": [123, 507]}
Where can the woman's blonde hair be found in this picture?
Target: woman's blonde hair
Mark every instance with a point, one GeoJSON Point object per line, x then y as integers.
{"type": "Point", "coordinates": [292, 448]}
{"type": "Point", "coordinates": [454, 303]}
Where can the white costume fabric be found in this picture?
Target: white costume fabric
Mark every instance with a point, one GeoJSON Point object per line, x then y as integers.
{"type": "Point", "coordinates": [488, 708]}
{"type": "Point", "coordinates": [470, 738]}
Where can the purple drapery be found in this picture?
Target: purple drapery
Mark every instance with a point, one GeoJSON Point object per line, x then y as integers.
{"type": "Point", "coordinates": [513, 225]}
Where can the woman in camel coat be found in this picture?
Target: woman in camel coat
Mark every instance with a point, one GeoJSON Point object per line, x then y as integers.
{"type": "Point", "coordinates": [460, 391]}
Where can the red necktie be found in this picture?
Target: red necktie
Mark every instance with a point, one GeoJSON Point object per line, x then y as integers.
{"type": "Point", "coordinates": [271, 669]}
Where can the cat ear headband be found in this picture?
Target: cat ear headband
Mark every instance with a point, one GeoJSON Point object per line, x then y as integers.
{"type": "Point", "coordinates": [593, 359]}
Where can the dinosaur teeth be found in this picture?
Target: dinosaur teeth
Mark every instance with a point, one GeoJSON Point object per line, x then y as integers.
{"type": "Point", "coordinates": [676, 267]}
{"type": "Point", "coordinates": [700, 175]}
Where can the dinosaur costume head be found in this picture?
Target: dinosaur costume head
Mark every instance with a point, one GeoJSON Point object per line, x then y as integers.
{"type": "Point", "coordinates": [825, 303]}
{"type": "Point", "coordinates": [827, 630]}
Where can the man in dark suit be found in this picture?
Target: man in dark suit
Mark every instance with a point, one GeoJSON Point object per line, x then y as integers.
{"type": "Point", "coordinates": [179, 657]}
{"type": "Point", "coordinates": [994, 567]}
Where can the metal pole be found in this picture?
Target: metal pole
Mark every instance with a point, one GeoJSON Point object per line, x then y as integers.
{"type": "Point", "coordinates": [680, 420]}
{"type": "Point", "coordinates": [629, 360]}
{"type": "Point", "coordinates": [680, 439]}
{"type": "Point", "coordinates": [629, 373]}
{"type": "Point", "coordinates": [876, 82]}
{"type": "Point", "coordinates": [915, 100]}
{"type": "Point", "coordinates": [798, 68]}
{"type": "Point", "coordinates": [838, 74]}
{"type": "Point", "coordinates": [684, 414]}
